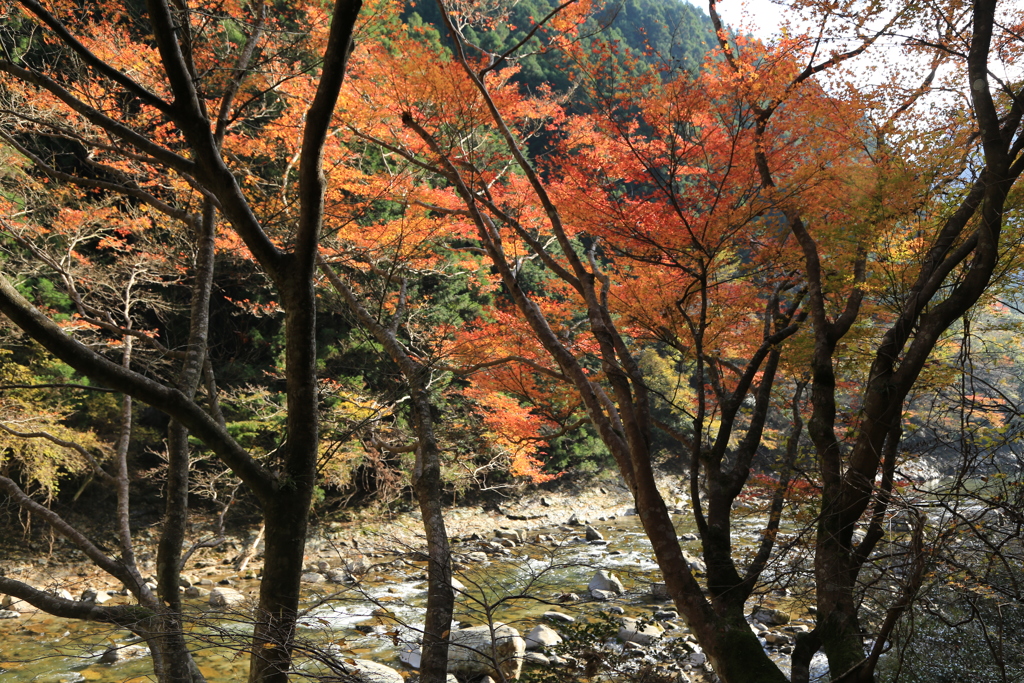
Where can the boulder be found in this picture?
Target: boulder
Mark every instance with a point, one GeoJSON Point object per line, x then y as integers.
{"type": "Point", "coordinates": [474, 652]}
{"type": "Point", "coordinates": [561, 617]}
{"type": "Point", "coordinates": [225, 597]}
{"type": "Point", "coordinates": [339, 576]}
{"type": "Point", "coordinates": [536, 659]}
{"type": "Point", "coordinates": [659, 591]}
{"type": "Point", "coordinates": [694, 563]}
{"type": "Point", "coordinates": [115, 654]}
{"type": "Point", "coordinates": [357, 566]}
{"type": "Point", "coordinates": [65, 594]}
{"type": "Point", "coordinates": [365, 671]}
{"type": "Point", "coordinates": [606, 581]}
{"type": "Point", "coordinates": [541, 637]}
{"type": "Point", "coordinates": [771, 616]}
{"type": "Point", "coordinates": [9, 602]}
{"type": "Point", "coordinates": [95, 596]}
{"type": "Point", "coordinates": [509, 534]}
{"type": "Point", "coordinates": [196, 592]}
{"type": "Point", "coordinates": [313, 577]}
{"type": "Point", "coordinates": [603, 596]}
{"type": "Point", "coordinates": [593, 534]}
{"type": "Point", "coordinates": [631, 632]}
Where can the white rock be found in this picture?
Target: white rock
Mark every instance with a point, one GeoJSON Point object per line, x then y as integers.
{"type": "Point", "coordinates": [559, 616]}
{"type": "Point", "coordinates": [509, 534]}
{"type": "Point", "coordinates": [537, 659]}
{"type": "Point", "coordinates": [630, 633]}
{"type": "Point", "coordinates": [339, 576]}
{"type": "Point", "coordinates": [541, 636]}
{"type": "Point", "coordinates": [365, 671]}
{"type": "Point", "coordinates": [358, 566]}
{"type": "Point", "coordinates": [603, 596]}
{"type": "Point", "coordinates": [605, 581]}
{"type": "Point", "coordinates": [473, 652]}
{"type": "Point", "coordinates": [64, 593]}
{"type": "Point", "coordinates": [694, 563]}
{"type": "Point", "coordinates": [222, 596]}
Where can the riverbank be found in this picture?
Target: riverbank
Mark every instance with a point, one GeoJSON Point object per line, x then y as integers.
{"type": "Point", "coordinates": [517, 561]}
{"type": "Point", "coordinates": [44, 561]}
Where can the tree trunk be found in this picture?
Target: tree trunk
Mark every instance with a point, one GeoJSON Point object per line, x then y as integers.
{"type": "Point", "coordinates": [720, 625]}
{"type": "Point", "coordinates": [287, 510]}
{"type": "Point", "coordinates": [440, 596]}
{"type": "Point", "coordinates": [427, 482]}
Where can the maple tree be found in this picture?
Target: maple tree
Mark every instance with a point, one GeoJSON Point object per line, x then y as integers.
{"type": "Point", "coordinates": [701, 255]}
{"type": "Point", "coordinates": [163, 130]}
{"type": "Point", "coordinates": [781, 231]}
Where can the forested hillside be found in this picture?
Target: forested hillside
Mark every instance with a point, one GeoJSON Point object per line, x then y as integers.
{"type": "Point", "coordinates": [674, 35]}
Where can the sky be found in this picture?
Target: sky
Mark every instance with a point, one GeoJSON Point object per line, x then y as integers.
{"type": "Point", "coordinates": [760, 18]}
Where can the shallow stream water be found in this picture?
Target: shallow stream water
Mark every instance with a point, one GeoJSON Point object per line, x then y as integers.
{"type": "Point", "coordinates": [372, 620]}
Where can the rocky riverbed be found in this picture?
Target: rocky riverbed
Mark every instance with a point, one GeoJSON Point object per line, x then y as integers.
{"type": "Point", "coordinates": [568, 577]}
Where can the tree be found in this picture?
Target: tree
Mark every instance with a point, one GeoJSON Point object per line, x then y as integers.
{"type": "Point", "coordinates": [748, 218]}
{"type": "Point", "coordinates": [157, 98]}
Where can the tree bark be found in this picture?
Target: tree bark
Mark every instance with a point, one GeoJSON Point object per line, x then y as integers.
{"type": "Point", "coordinates": [427, 483]}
